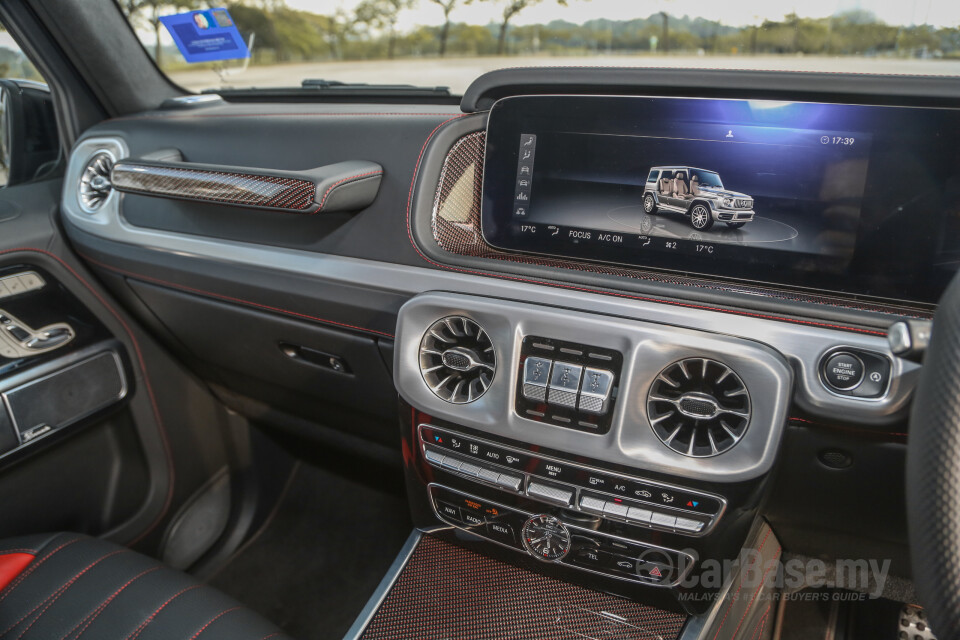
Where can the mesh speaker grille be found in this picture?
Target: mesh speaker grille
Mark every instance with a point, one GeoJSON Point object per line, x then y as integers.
{"type": "Point", "coordinates": [456, 228]}
{"type": "Point", "coordinates": [446, 591]}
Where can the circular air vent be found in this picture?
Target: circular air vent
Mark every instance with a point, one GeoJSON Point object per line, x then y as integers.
{"type": "Point", "coordinates": [457, 359]}
{"type": "Point", "coordinates": [95, 184]}
{"type": "Point", "coordinates": [699, 407]}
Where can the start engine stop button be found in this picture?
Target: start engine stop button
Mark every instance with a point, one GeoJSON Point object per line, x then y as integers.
{"type": "Point", "coordinates": [843, 371]}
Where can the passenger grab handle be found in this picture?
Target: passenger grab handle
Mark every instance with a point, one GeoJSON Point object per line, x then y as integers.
{"type": "Point", "coordinates": [345, 186]}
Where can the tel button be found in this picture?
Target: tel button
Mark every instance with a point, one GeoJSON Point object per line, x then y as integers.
{"type": "Point", "coordinates": [843, 371]}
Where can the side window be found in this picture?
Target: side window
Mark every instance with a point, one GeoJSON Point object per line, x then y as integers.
{"type": "Point", "coordinates": [29, 142]}
{"type": "Point", "coordinates": [13, 63]}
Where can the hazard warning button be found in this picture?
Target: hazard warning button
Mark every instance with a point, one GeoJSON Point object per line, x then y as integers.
{"type": "Point", "coordinates": [655, 567]}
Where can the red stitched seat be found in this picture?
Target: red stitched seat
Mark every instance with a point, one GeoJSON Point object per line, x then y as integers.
{"type": "Point", "coordinates": [67, 586]}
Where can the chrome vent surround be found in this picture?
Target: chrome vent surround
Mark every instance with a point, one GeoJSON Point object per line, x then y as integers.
{"type": "Point", "coordinates": [699, 407]}
{"type": "Point", "coordinates": [457, 359]}
{"type": "Point", "coordinates": [95, 186]}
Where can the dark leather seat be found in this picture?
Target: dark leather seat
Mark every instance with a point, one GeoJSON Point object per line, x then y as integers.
{"type": "Point", "coordinates": [67, 586]}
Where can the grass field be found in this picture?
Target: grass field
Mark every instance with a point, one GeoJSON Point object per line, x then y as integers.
{"type": "Point", "coordinates": [457, 73]}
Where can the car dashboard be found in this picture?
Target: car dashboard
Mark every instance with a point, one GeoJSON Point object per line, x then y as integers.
{"type": "Point", "coordinates": [663, 340]}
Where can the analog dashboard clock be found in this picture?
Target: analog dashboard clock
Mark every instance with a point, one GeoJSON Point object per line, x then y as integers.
{"type": "Point", "coordinates": [545, 537]}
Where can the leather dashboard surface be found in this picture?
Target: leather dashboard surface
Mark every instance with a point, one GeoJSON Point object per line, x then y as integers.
{"type": "Point", "coordinates": [411, 144]}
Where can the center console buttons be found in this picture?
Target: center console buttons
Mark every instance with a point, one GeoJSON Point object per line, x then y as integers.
{"type": "Point", "coordinates": [509, 482]}
{"type": "Point", "coordinates": [688, 524]}
{"type": "Point", "coordinates": [571, 485]}
{"type": "Point", "coordinates": [564, 383]}
{"type": "Point", "coordinates": [549, 493]}
{"type": "Point", "coordinates": [592, 505]}
{"type": "Point", "coordinates": [595, 391]}
{"type": "Point", "coordinates": [556, 539]}
{"type": "Point", "coordinates": [615, 510]}
{"type": "Point", "coordinates": [636, 514]}
{"type": "Point", "coordinates": [536, 376]}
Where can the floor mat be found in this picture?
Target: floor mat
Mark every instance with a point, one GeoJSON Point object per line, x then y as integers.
{"type": "Point", "coordinates": [330, 541]}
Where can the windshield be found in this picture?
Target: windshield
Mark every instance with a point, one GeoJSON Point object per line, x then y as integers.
{"type": "Point", "coordinates": [707, 178]}
{"type": "Point", "coordinates": [282, 43]}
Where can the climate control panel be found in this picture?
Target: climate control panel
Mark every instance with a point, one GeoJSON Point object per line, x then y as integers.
{"type": "Point", "coordinates": [552, 539]}
{"type": "Point", "coordinates": [557, 482]}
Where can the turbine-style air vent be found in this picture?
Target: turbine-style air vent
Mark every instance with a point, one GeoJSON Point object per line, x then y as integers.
{"type": "Point", "coordinates": [699, 407]}
{"type": "Point", "coordinates": [95, 184]}
{"type": "Point", "coordinates": [457, 359]}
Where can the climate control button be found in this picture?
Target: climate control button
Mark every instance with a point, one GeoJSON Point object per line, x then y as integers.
{"type": "Point", "coordinates": [548, 493]}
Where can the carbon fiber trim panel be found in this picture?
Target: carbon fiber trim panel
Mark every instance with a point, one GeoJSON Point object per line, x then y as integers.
{"type": "Point", "coordinates": [268, 192]}
{"type": "Point", "coordinates": [446, 591]}
{"type": "Point", "coordinates": [455, 223]}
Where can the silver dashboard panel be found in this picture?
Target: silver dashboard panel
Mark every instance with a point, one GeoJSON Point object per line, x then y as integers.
{"type": "Point", "coordinates": [802, 344]}
{"type": "Point", "coordinates": [647, 347]}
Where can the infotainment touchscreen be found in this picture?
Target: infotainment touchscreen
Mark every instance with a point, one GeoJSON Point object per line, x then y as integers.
{"type": "Point", "coordinates": [782, 192]}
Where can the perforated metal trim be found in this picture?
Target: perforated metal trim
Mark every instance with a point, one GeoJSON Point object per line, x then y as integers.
{"type": "Point", "coordinates": [456, 228]}
{"type": "Point", "coordinates": [446, 591]}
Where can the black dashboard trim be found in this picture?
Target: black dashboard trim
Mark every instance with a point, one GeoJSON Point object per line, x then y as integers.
{"type": "Point", "coordinates": [926, 90]}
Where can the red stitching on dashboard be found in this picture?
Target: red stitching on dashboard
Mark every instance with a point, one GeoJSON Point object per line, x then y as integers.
{"type": "Point", "coordinates": [688, 305]}
{"type": "Point", "coordinates": [210, 294]}
{"type": "Point", "coordinates": [341, 181]}
{"type": "Point", "coordinates": [167, 451]}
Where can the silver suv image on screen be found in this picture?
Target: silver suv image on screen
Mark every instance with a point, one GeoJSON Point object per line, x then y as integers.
{"type": "Point", "coordinates": [697, 194]}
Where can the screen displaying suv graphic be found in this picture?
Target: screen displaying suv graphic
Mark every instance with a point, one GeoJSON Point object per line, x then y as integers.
{"type": "Point", "coordinates": [697, 194]}
{"type": "Point", "coordinates": [688, 186]}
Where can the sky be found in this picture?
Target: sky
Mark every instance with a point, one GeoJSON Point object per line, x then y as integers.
{"type": "Point", "coordinates": [939, 13]}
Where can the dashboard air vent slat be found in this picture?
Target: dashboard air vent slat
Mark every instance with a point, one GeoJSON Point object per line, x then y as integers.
{"type": "Point", "coordinates": [95, 186]}
{"type": "Point", "coordinates": [457, 359]}
{"type": "Point", "coordinates": [699, 407]}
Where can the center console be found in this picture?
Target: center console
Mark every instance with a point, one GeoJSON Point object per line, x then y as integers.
{"type": "Point", "coordinates": [619, 450]}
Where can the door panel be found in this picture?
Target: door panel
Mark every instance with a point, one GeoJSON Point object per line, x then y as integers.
{"type": "Point", "coordinates": [118, 468]}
